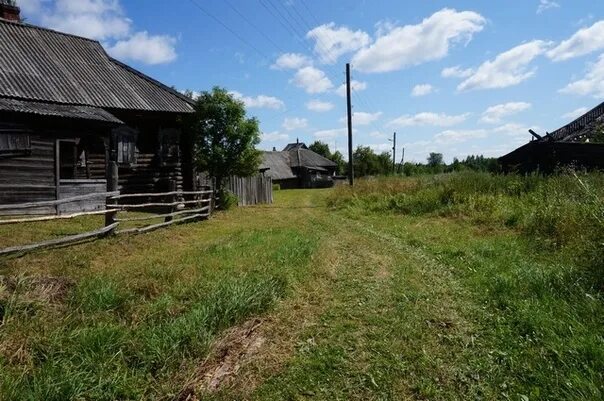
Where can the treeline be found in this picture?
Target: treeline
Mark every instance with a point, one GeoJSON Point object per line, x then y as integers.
{"type": "Point", "coordinates": [369, 163]}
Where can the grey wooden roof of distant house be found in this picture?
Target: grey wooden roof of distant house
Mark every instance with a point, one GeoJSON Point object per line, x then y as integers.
{"type": "Point", "coordinates": [42, 65]}
{"type": "Point", "coordinates": [279, 165]}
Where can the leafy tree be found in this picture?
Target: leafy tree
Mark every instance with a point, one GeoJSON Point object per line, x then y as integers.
{"type": "Point", "coordinates": [435, 159]}
{"type": "Point", "coordinates": [224, 139]}
{"type": "Point", "coordinates": [321, 148]}
{"type": "Point", "coordinates": [598, 136]}
{"type": "Point", "coordinates": [338, 159]}
{"type": "Point", "coordinates": [367, 162]}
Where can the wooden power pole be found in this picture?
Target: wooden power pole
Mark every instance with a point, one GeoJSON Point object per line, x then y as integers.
{"type": "Point", "coordinates": [394, 153]}
{"type": "Point", "coordinates": [349, 109]}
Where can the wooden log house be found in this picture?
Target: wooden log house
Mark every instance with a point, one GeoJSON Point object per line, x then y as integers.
{"type": "Point", "coordinates": [578, 144]}
{"type": "Point", "coordinates": [67, 108]}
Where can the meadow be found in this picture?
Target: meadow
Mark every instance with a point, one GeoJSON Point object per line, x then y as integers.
{"type": "Point", "coordinates": [450, 287]}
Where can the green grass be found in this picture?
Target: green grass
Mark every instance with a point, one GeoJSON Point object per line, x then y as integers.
{"type": "Point", "coordinates": [446, 288]}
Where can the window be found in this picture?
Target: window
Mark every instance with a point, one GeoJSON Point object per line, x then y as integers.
{"type": "Point", "coordinates": [168, 144]}
{"type": "Point", "coordinates": [14, 144]}
{"type": "Point", "coordinates": [125, 141]}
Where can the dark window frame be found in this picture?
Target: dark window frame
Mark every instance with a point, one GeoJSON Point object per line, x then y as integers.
{"type": "Point", "coordinates": [20, 139]}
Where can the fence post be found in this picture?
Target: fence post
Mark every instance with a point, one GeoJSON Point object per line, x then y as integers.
{"type": "Point", "coordinates": [112, 186]}
{"type": "Point", "coordinates": [174, 199]}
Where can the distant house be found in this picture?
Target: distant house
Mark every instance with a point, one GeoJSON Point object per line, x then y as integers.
{"type": "Point", "coordinates": [571, 145]}
{"type": "Point", "coordinates": [67, 108]}
{"type": "Point", "coordinates": [296, 166]}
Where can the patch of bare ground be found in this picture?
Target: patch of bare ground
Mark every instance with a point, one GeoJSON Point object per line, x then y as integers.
{"type": "Point", "coordinates": [235, 349]}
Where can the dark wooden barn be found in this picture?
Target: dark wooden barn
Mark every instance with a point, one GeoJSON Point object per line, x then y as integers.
{"type": "Point", "coordinates": [296, 166]}
{"type": "Point", "coordinates": [67, 108]}
{"type": "Point", "coordinates": [579, 144]}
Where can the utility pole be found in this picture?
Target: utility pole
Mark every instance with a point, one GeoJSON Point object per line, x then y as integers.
{"type": "Point", "coordinates": [394, 153]}
{"type": "Point", "coordinates": [349, 109]}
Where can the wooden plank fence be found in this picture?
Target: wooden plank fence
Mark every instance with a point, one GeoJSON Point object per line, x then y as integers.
{"type": "Point", "coordinates": [174, 207]}
{"type": "Point", "coordinates": [251, 190]}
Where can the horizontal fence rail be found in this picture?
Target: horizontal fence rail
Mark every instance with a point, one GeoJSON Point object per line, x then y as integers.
{"type": "Point", "coordinates": [177, 207]}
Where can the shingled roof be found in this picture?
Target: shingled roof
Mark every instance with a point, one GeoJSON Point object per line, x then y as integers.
{"type": "Point", "coordinates": [581, 128]}
{"type": "Point", "coordinates": [43, 65]}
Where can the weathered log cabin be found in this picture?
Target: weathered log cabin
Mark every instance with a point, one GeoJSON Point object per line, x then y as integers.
{"type": "Point", "coordinates": [67, 108]}
{"type": "Point", "coordinates": [578, 144]}
{"type": "Point", "coordinates": [296, 166]}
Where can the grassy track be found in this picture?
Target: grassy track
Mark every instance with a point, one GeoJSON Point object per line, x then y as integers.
{"type": "Point", "coordinates": [351, 306]}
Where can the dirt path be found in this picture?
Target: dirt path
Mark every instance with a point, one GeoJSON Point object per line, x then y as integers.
{"type": "Point", "coordinates": [379, 319]}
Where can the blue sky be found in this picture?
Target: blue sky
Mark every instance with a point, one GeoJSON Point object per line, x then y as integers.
{"type": "Point", "coordinates": [457, 77]}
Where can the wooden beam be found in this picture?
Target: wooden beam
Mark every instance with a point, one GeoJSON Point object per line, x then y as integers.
{"type": "Point", "coordinates": [58, 242]}
{"type": "Point", "coordinates": [54, 217]}
{"type": "Point", "coordinates": [160, 225]}
{"type": "Point", "coordinates": [29, 205]}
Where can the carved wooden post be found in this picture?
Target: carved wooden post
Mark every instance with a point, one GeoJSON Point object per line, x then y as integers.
{"type": "Point", "coordinates": [112, 186]}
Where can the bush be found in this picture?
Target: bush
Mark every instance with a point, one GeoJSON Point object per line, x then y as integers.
{"type": "Point", "coordinates": [227, 200]}
{"type": "Point", "coordinates": [276, 187]}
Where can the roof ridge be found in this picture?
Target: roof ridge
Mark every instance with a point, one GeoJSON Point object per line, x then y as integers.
{"type": "Point", "coordinates": [26, 25]}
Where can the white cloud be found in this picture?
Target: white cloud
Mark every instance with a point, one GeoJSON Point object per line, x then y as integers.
{"type": "Point", "coordinates": [260, 101]}
{"type": "Point", "coordinates": [409, 45]}
{"type": "Point", "coordinates": [331, 42]}
{"type": "Point", "coordinates": [592, 84]}
{"type": "Point", "coordinates": [291, 61]}
{"type": "Point", "coordinates": [573, 115]}
{"type": "Point", "coordinates": [377, 134]}
{"type": "Point", "coordinates": [293, 123]}
{"type": "Point", "coordinates": [330, 133]}
{"type": "Point", "coordinates": [274, 136]}
{"type": "Point", "coordinates": [319, 106]}
{"type": "Point", "coordinates": [312, 80]}
{"type": "Point", "coordinates": [458, 136]}
{"type": "Point", "coordinates": [494, 114]}
{"type": "Point", "coordinates": [422, 90]}
{"type": "Point", "coordinates": [584, 41]}
{"type": "Point", "coordinates": [426, 118]}
{"type": "Point", "coordinates": [381, 147]}
{"type": "Point", "coordinates": [363, 118]}
{"type": "Point", "coordinates": [456, 72]}
{"type": "Point", "coordinates": [103, 20]}
{"type": "Point", "coordinates": [355, 85]}
{"type": "Point", "coordinates": [545, 5]}
{"type": "Point", "coordinates": [507, 69]}
{"type": "Point", "coordinates": [158, 49]}
{"type": "Point", "coordinates": [515, 130]}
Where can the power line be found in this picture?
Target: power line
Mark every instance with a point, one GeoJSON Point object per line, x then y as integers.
{"type": "Point", "coordinates": [225, 26]}
{"type": "Point", "coordinates": [268, 38]}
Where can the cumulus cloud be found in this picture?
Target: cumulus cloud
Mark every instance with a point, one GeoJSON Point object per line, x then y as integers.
{"type": "Point", "coordinates": [330, 133]}
{"type": "Point", "coordinates": [103, 20]}
{"type": "Point", "coordinates": [331, 41]}
{"type": "Point", "coordinates": [514, 130]}
{"type": "Point", "coordinates": [427, 118]}
{"type": "Point", "coordinates": [148, 49]}
{"type": "Point", "coordinates": [507, 69]}
{"type": "Point", "coordinates": [355, 85]}
{"type": "Point", "coordinates": [494, 114]}
{"type": "Point", "coordinates": [545, 5]}
{"type": "Point", "coordinates": [319, 106]}
{"type": "Point", "coordinates": [458, 136]}
{"type": "Point", "coordinates": [584, 41]}
{"type": "Point", "coordinates": [312, 80]}
{"type": "Point", "coordinates": [408, 45]}
{"type": "Point", "coordinates": [590, 85]}
{"type": "Point", "coordinates": [422, 90]}
{"type": "Point", "coordinates": [456, 72]}
{"type": "Point", "coordinates": [260, 101]}
{"type": "Point", "coordinates": [293, 123]}
{"type": "Point", "coordinates": [363, 118]}
{"type": "Point", "coordinates": [573, 115]}
{"type": "Point", "coordinates": [274, 136]}
{"type": "Point", "coordinates": [291, 61]}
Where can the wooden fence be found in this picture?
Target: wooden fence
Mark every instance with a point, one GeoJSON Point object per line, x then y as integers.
{"type": "Point", "coordinates": [173, 207]}
{"type": "Point", "coordinates": [251, 190]}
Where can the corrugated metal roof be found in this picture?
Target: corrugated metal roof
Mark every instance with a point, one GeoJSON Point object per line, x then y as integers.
{"type": "Point", "coordinates": [44, 65]}
{"type": "Point", "coordinates": [58, 110]}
